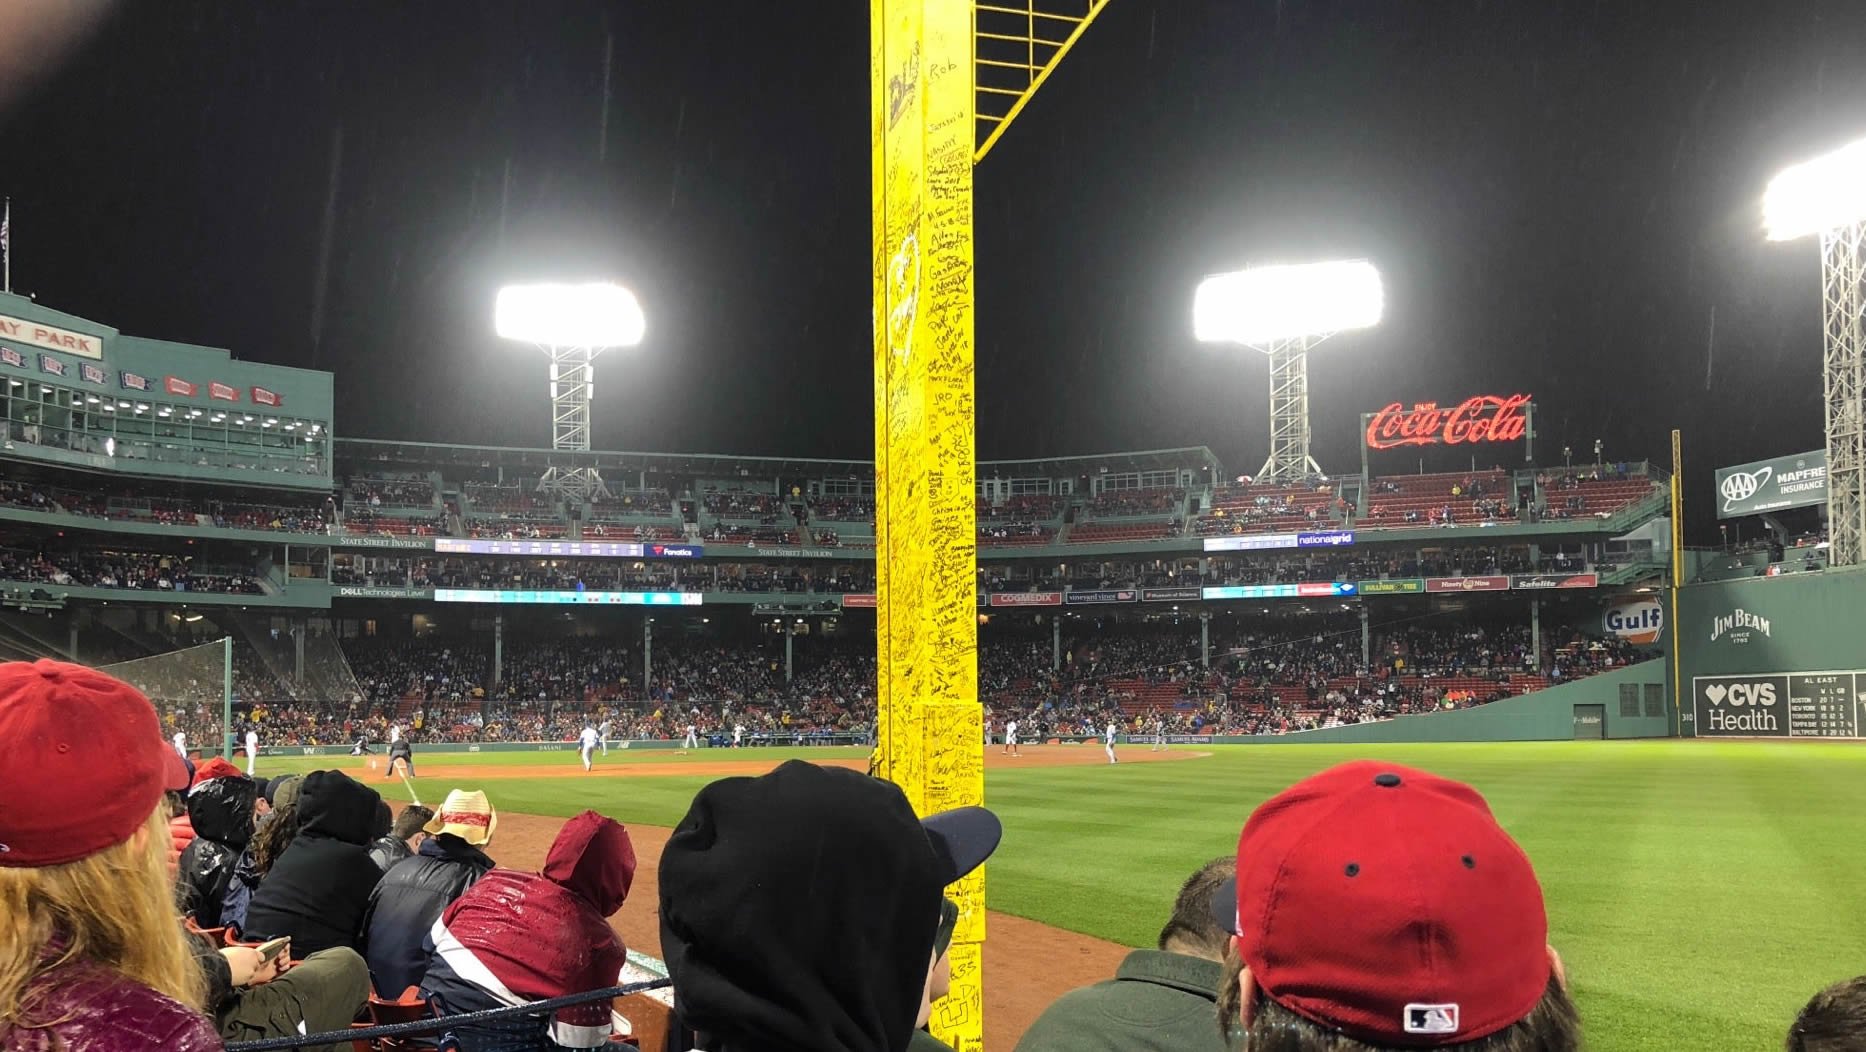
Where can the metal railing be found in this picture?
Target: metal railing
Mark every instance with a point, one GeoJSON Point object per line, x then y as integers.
{"type": "Point", "coordinates": [440, 1024]}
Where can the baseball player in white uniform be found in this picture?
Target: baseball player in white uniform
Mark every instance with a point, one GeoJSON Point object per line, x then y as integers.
{"type": "Point", "coordinates": [590, 738]}
{"type": "Point", "coordinates": [1010, 738]}
{"type": "Point", "coordinates": [1107, 741]}
{"type": "Point", "coordinates": [692, 741]}
{"type": "Point", "coordinates": [1159, 734]}
{"type": "Point", "coordinates": [252, 750]}
{"type": "Point", "coordinates": [738, 734]}
{"type": "Point", "coordinates": [181, 743]}
{"type": "Point", "coordinates": [602, 731]}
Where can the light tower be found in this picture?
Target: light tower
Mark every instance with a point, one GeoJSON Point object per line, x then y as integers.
{"type": "Point", "coordinates": [1283, 311]}
{"type": "Point", "coordinates": [1827, 197]}
{"type": "Point", "coordinates": [572, 324]}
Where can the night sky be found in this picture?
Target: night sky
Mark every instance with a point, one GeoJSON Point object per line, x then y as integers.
{"type": "Point", "coordinates": [1560, 195]}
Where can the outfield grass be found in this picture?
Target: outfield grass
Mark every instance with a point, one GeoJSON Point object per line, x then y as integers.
{"type": "Point", "coordinates": [1699, 892]}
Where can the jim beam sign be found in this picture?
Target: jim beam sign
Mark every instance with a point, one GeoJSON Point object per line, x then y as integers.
{"type": "Point", "coordinates": [1739, 626]}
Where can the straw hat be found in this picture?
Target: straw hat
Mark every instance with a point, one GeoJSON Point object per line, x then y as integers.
{"type": "Point", "coordinates": [467, 815]}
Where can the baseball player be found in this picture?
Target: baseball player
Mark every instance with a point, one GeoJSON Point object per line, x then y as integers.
{"type": "Point", "coordinates": [252, 750]}
{"type": "Point", "coordinates": [602, 731]}
{"type": "Point", "coordinates": [181, 743]}
{"type": "Point", "coordinates": [361, 746]}
{"type": "Point", "coordinates": [692, 741]}
{"type": "Point", "coordinates": [1107, 742]}
{"type": "Point", "coordinates": [590, 738]}
{"type": "Point", "coordinates": [400, 749]}
{"type": "Point", "coordinates": [1010, 738]}
{"type": "Point", "coordinates": [1159, 734]}
{"type": "Point", "coordinates": [738, 734]}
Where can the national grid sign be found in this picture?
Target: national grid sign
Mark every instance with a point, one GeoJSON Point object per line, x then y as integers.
{"type": "Point", "coordinates": [1780, 705]}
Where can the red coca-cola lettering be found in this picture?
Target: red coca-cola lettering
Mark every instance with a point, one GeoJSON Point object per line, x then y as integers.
{"type": "Point", "coordinates": [1484, 418]}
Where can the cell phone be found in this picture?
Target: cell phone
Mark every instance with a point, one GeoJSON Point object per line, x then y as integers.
{"type": "Point", "coordinates": [269, 951]}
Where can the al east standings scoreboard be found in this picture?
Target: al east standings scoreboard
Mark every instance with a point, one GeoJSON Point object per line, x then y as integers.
{"type": "Point", "coordinates": [1780, 705]}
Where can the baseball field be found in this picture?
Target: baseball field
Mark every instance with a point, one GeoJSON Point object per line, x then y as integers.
{"type": "Point", "coordinates": [1699, 892]}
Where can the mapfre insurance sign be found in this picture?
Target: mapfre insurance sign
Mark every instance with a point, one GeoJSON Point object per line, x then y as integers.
{"type": "Point", "coordinates": [50, 337]}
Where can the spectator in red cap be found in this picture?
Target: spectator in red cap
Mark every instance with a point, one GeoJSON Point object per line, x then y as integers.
{"type": "Point", "coordinates": [1380, 907]}
{"type": "Point", "coordinates": [92, 954]}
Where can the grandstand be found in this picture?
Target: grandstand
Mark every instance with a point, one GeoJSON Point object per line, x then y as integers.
{"type": "Point", "coordinates": [1095, 572]}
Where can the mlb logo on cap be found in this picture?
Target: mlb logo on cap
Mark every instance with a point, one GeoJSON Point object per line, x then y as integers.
{"type": "Point", "coordinates": [1431, 1019]}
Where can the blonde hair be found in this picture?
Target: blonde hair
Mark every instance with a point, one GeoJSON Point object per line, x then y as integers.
{"type": "Point", "coordinates": [114, 909]}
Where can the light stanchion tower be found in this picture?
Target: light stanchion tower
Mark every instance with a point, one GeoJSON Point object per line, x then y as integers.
{"type": "Point", "coordinates": [1826, 197]}
{"type": "Point", "coordinates": [572, 324]}
{"type": "Point", "coordinates": [1284, 311]}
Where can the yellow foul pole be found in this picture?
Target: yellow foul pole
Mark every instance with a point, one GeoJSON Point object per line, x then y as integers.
{"type": "Point", "coordinates": [929, 725]}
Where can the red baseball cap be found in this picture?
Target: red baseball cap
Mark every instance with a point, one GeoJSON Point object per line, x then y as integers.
{"type": "Point", "coordinates": [86, 763]}
{"type": "Point", "coordinates": [1387, 903]}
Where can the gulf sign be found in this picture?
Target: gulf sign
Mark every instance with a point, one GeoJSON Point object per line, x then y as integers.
{"type": "Point", "coordinates": [1636, 619]}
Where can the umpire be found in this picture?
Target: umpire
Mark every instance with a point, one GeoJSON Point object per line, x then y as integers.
{"type": "Point", "coordinates": [404, 751]}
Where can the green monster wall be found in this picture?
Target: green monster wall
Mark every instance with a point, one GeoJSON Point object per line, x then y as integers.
{"type": "Point", "coordinates": [1758, 634]}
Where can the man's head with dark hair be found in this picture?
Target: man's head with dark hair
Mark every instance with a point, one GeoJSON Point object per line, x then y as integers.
{"type": "Point", "coordinates": [1834, 1021]}
{"type": "Point", "coordinates": [1192, 930]}
{"type": "Point", "coordinates": [408, 824]}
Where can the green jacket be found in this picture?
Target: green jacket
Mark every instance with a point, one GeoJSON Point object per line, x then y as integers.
{"type": "Point", "coordinates": [925, 1042]}
{"type": "Point", "coordinates": [1156, 1000]}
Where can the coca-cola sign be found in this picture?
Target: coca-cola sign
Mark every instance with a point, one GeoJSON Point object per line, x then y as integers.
{"type": "Point", "coordinates": [1484, 418]}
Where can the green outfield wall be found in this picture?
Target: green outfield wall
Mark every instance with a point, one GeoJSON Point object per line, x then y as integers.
{"type": "Point", "coordinates": [1627, 703]}
{"type": "Point", "coordinates": [1775, 656]}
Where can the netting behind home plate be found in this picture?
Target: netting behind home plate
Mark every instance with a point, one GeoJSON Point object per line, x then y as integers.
{"type": "Point", "coordinates": [187, 686]}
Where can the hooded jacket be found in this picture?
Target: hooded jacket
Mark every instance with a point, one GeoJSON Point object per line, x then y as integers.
{"type": "Point", "coordinates": [282, 793]}
{"type": "Point", "coordinates": [516, 937]}
{"type": "Point", "coordinates": [221, 810]}
{"type": "Point", "coordinates": [318, 891]}
{"type": "Point", "coordinates": [798, 913]}
{"type": "Point", "coordinates": [405, 905]}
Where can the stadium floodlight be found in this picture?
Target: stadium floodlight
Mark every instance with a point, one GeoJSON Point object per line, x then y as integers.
{"type": "Point", "coordinates": [1826, 197]}
{"type": "Point", "coordinates": [572, 324]}
{"type": "Point", "coordinates": [1259, 306]}
{"type": "Point", "coordinates": [593, 315]}
{"type": "Point", "coordinates": [1283, 311]}
{"type": "Point", "coordinates": [1816, 196]}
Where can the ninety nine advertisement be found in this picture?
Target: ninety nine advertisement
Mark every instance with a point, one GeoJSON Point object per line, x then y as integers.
{"type": "Point", "coordinates": [1497, 583]}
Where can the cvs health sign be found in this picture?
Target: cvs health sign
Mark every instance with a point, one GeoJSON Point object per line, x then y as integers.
{"type": "Point", "coordinates": [1741, 706]}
